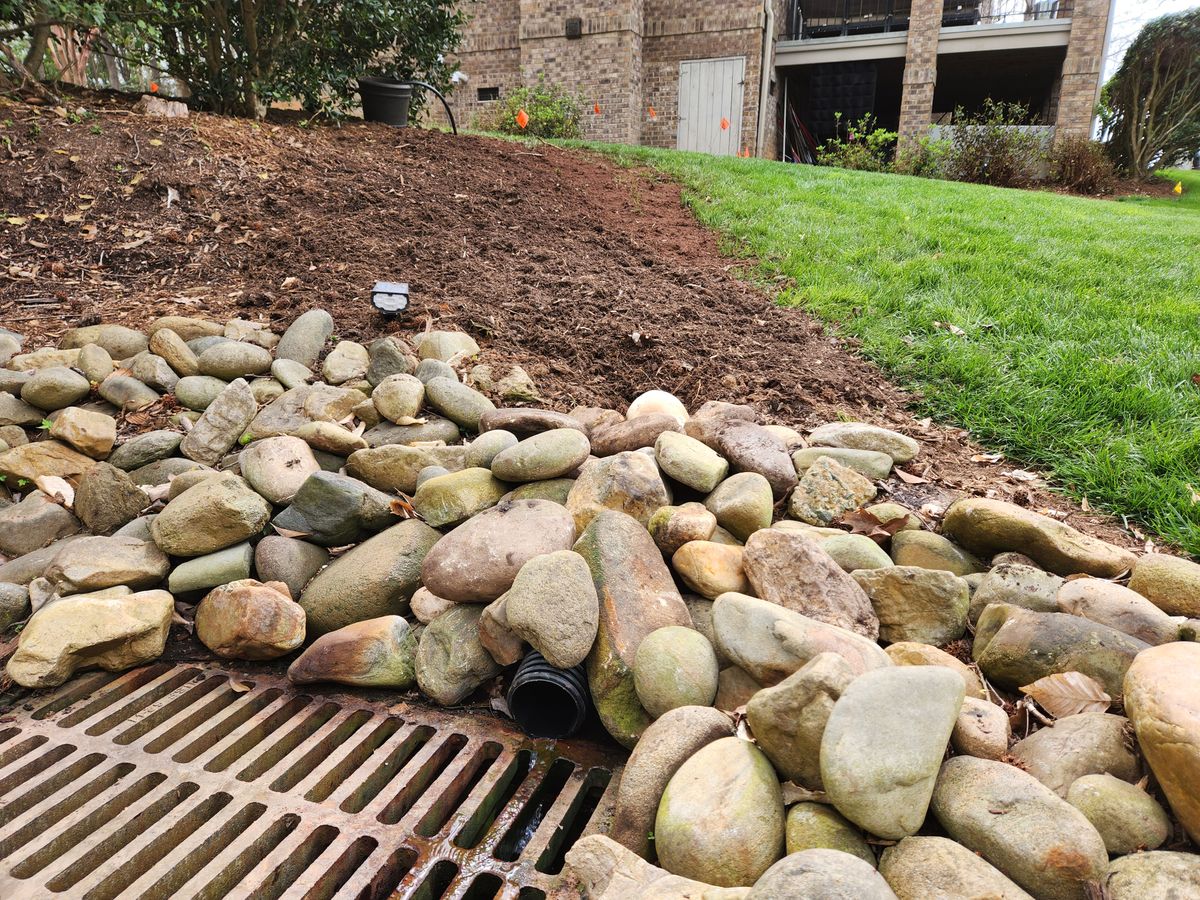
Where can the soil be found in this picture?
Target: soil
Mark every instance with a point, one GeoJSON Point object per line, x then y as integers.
{"type": "Point", "coordinates": [596, 279]}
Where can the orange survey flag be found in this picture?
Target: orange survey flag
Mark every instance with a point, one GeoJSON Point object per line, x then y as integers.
{"type": "Point", "coordinates": [653, 114]}
{"type": "Point", "coordinates": [1178, 189]}
{"type": "Point", "coordinates": [522, 118]}
{"type": "Point", "coordinates": [724, 124]}
{"type": "Point", "coordinates": [596, 108]}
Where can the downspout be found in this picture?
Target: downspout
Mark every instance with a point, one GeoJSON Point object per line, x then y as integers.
{"type": "Point", "coordinates": [764, 86]}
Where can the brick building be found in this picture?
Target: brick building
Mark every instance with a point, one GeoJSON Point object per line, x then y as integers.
{"type": "Point", "coordinates": [667, 73]}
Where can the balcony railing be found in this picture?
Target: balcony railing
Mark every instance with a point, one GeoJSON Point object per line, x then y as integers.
{"type": "Point", "coordinates": [836, 18]}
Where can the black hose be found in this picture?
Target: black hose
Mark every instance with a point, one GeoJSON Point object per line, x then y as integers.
{"type": "Point", "coordinates": [430, 87]}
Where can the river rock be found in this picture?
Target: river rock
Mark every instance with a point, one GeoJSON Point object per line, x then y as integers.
{"type": "Point", "coordinates": [1019, 585]}
{"type": "Point", "coordinates": [1169, 582]}
{"type": "Point", "coordinates": [923, 868]}
{"type": "Point", "coordinates": [127, 392]}
{"type": "Point", "coordinates": [247, 619]}
{"type": "Point", "coordinates": [861, 436]}
{"type": "Point", "coordinates": [345, 361]}
{"type": "Point", "coordinates": [1162, 699]}
{"type": "Point", "coordinates": [1161, 874]}
{"type": "Point", "coordinates": [665, 745]}
{"type": "Point", "coordinates": [198, 391]}
{"type": "Point", "coordinates": [306, 337]}
{"type": "Point", "coordinates": [394, 467]}
{"type": "Point", "coordinates": [932, 551]}
{"type": "Point", "coordinates": [751, 448]}
{"type": "Point", "coordinates": [496, 636]}
{"type": "Point", "coordinates": [34, 522]}
{"type": "Point", "coordinates": [202, 572]}
{"type": "Point", "coordinates": [460, 404]}
{"type": "Point", "coordinates": [32, 461]}
{"type": "Point", "coordinates": [549, 454]}
{"type": "Point", "coordinates": [451, 662]}
{"type": "Point", "coordinates": [552, 604]}
{"type": "Point", "coordinates": [446, 345]}
{"type": "Point", "coordinates": [908, 653]}
{"type": "Point", "coordinates": [855, 551]}
{"type": "Point", "coordinates": [153, 371]}
{"type": "Point", "coordinates": [377, 652]}
{"type": "Point", "coordinates": [1015, 647]}
{"type": "Point", "coordinates": [478, 561]}
{"type": "Point", "coordinates": [1040, 842]}
{"type": "Point", "coordinates": [623, 436]}
{"type": "Point", "coordinates": [674, 666]}
{"type": "Point", "coordinates": [556, 490]}
{"type": "Point", "coordinates": [91, 433]}
{"type": "Point", "coordinates": [771, 642]}
{"type": "Point", "coordinates": [742, 504]}
{"type": "Point", "coordinates": [926, 606]}
{"type": "Point", "coordinates": [788, 720]}
{"type": "Point", "coordinates": [710, 569]}
{"type": "Point", "coordinates": [828, 874]}
{"type": "Point", "coordinates": [187, 327]}
{"type": "Point", "coordinates": [330, 438]}
{"type": "Point", "coordinates": [982, 730]}
{"type": "Point", "coordinates": [673, 526]}
{"type": "Point", "coordinates": [229, 360]}
{"type": "Point", "coordinates": [55, 387]}
{"type": "Point", "coordinates": [1117, 607]}
{"type": "Point", "coordinates": [431, 429]}
{"type": "Point", "coordinates": [375, 579]}
{"type": "Point", "coordinates": [14, 606]}
{"type": "Point", "coordinates": [110, 633]}
{"type": "Point", "coordinates": [913, 707]}
{"type": "Point", "coordinates": [814, 826]}
{"type": "Point", "coordinates": [986, 527]}
{"type": "Point", "coordinates": [107, 498]}
{"type": "Point", "coordinates": [290, 561]}
{"type": "Point", "coordinates": [399, 397]}
{"type": "Point", "coordinates": [17, 412]}
{"type": "Point", "coordinates": [277, 467]}
{"type": "Point", "coordinates": [628, 482]}
{"type": "Point", "coordinates": [216, 513]}
{"type": "Point", "coordinates": [145, 449]}
{"type": "Point", "coordinates": [1078, 745]}
{"type": "Point", "coordinates": [426, 606]}
{"type": "Point", "coordinates": [456, 497]}
{"type": "Point", "coordinates": [171, 347]}
{"type": "Point", "coordinates": [637, 596]}
{"type": "Point", "coordinates": [120, 342]}
{"type": "Point", "coordinates": [1126, 816]}
{"type": "Point", "coordinates": [525, 422]}
{"type": "Point", "coordinates": [484, 449]}
{"type": "Point", "coordinates": [389, 356]}
{"type": "Point", "coordinates": [720, 820]}
{"type": "Point", "coordinates": [792, 570]}
{"type": "Point", "coordinates": [40, 359]}
{"type": "Point", "coordinates": [872, 464]}
{"type": "Point", "coordinates": [96, 563]}
{"type": "Point", "coordinates": [827, 491]}
{"type": "Point", "coordinates": [221, 425]}
{"type": "Point", "coordinates": [604, 870]}
{"type": "Point", "coordinates": [689, 461]}
{"type": "Point", "coordinates": [290, 373]}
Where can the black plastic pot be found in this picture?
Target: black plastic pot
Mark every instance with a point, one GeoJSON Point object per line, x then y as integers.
{"type": "Point", "coordinates": [548, 702]}
{"type": "Point", "coordinates": [385, 100]}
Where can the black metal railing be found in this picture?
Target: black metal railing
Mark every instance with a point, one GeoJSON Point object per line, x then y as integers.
{"type": "Point", "coordinates": [837, 18]}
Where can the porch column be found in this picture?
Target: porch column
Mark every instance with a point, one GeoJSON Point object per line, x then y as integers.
{"type": "Point", "coordinates": [920, 68]}
{"type": "Point", "coordinates": [1080, 86]}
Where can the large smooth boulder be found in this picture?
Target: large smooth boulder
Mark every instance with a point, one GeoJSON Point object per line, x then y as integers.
{"type": "Point", "coordinates": [546, 455]}
{"type": "Point", "coordinates": [689, 461]}
{"type": "Point", "coordinates": [1037, 839]}
{"type": "Point", "coordinates": [752, 448]}
{"type": "Point", "coordinates": [987, 527]}
{"type": "Point", "coordinates": [336, 510]}
{"type": "Point", "coordinates": [936, 868]}
{"type": "Point", "coordinates": [91, 433]}
{"type": "Point", "coordinates": [1117, 607]}
{"type": "Point", "coordinates": [628, 482]}
{"type": "Point", "coordinates": [1162, 699]}
{"type": "Point", "coordinates": [553, 605]}
{"type": "Point", "coordinates": [711, 569]}
{"type": "Point", "coordinates": [637, 596]}
{"type": "Point", "coordinates": [451, 662]}
{"type": "Point", "coordinates": [113, 633]}
{"type": "Point", "coordinates": [927, 606]}
{"type": "Point", "coordinates": [216, 513]}
{"type": "Point", "coordinates": [35, 522]}
{"type": "Point", "coordinates": [861, 436]}
{"type": "Point", "coordinates": [791, 569]}
{"type": "Point", "coordinates": [276, 467]}
{"type": "Point", "coordinates": [604, 870]}
{"type": "Point", "coordinates": [375, 653]}
{"type": "Point", "coordinates": [32, 461]}
{"type": "Point", "coordinates": [815, 826]}
{"type": "Point", "coordinates": [1082, 744]}
{"type": "Point", "coordinates": [908, 653]}
{"type": "Point", "coordinates": [1018, 585]}
{"type": "Point", "coordinates": [1126, 816]}
{"type": "Point", "coordinates": [375, 579]}
{"type": "Point", "coordinates": [870, 781]}
{"type": "Point", "coordinates": [665, 745]}
{"type": "Point", "coordinates": [674, 666]}
{"type": "Point", "coordinates": [306, 337]}
{"type": "Point", "coordinates": [720, 820]}
{"type": "Point", "coordinates": [1163, 875]}
{"type": "Point", "coordinates": [248, 619]}
{"type": "Point", "coordinates": [827, 874]}
{"type": "Point", "coordinates": [1169, 582]}
{"type": "Point", "coordinates": [478, 561]}
{"type": "Point", "coordinates": [456, 496]}
{"type": "Point", "coordinates": [95, 563]}
{"type": "Point", "coordinates": [742, 504]}
{"type": "Point", "coordinates": [394, 467]}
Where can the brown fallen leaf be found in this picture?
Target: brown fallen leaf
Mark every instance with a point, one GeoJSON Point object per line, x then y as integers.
{"type": "Point", "coordinates": [863, 522]}
{"type": "Point", "coordinates": [1068, 694]}
{"type": "Point", "coordinates": [288, 533]}
{"type": "Point", "coordinates": [402, 506]}
{"type": "Point", "coordinates": [910, 478]}
{"type": "Point", "coordinates": [240, 687]}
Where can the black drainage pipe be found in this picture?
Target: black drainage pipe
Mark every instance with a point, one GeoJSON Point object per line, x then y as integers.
{"type": "Point", "coordinates": [548, 702]}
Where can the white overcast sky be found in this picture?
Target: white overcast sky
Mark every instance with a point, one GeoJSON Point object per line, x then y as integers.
{"type": "Point", "coordinates": [1129, 17]}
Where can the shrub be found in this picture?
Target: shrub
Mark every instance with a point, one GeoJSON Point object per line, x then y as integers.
{"type": "Point", "coordinates": [553, 112]}
{"type": "Point", "coordinates": [922, 158]}
{"type": "Point", "coordinates": [1082, 166]}
{"type": "Point", "coordinates": [991, 147]}
{"type": "Point", "coordinates": [865, 147]}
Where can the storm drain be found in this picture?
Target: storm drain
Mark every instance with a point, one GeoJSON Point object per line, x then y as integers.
{"type": "Point", "coordinates": [197, 782]}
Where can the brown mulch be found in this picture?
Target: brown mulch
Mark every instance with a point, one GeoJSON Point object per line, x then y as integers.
{"type": "Point", "coordinates": [594, 278]}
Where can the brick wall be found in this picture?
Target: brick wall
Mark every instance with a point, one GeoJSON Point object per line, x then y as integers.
{"type": "Point", "coordinates": [490, 54]}
{"type": "Point", "coordinates": [1080, 86]}
{"type": "Point", "coordinates": [920, 68]}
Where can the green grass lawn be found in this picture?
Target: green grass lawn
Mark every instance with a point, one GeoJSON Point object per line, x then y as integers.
{"type": "Point", "coordinates": [1189, 199]}
{"type": "Point", "coordinates": [1081, 317]}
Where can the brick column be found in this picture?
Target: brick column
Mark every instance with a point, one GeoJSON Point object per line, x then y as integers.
{"type": "Point", "coordinates": [1080, 86]}
{"type": "Point", "coordinates": [920, 68]}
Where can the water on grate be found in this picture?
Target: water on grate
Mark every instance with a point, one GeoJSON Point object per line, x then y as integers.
{"type": "Point", "coordinates": [195, 782]}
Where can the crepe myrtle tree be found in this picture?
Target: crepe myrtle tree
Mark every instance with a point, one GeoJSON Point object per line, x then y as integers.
{"type": "Point", "coordinates": [28, 30]}
{"type": "Point", "coordinates": [236, 56]}
{"type": "Point", "coordinates": [1150, 109]}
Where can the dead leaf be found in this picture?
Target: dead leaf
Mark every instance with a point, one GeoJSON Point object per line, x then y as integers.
{"type": "Point", "coordinates": [287, 532]}
{"type": "Point", "coordinates": [132, 244]}
{"type": "Point", "coordinates": [290, 281]}
{"type": "Point", "coordinates": [793, 793]}
{"type": "Point", "coordinates": [1068, 694]}
{"type": "Point", "coordinates": [172, 196]}
{"type": "Point", "coordinates": [402, 506]}
{"type": "Point", "coordinates": [987, 457]}
{"type": "Point", "coordinates": [863, 522]}
{"type": "Point", "coordinates": [89, 232]}
{"type": "Point", "coordinates": [953, 329]}
{"type": "Point", "coordinates": [17, 220]}
{"type": "Point", "coordinates": [240, 687]}
{"type": "Point", "coordinates": [1020, 475]}
{"type": "Point", "coordinates": [910, 478]}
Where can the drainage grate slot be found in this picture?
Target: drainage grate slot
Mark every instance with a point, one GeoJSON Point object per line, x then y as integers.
{"type": "Point", "coordinates": [82, 686]}
{"type": "Point", "coordinates": [64, 808]}
{"type": "Point", "coordinates": [48, 786]}
{"type": "Point", "coordinates": [80, 831]}
{"type": "Point", "coordinates": [259, 850]}
{"type": "Point", "coordinates": [122, 687]}
{"type": "Point", "coordinates": [437, 882]}
{"type": "Point", "coordinates": [134, 707]}
{"type": "Point", "coordinates": [382, 776]}
{"type": "Point", "coordinates": [35, 767]}
{"type": "Point", "coordinates": [107, 848]}
{"type": "Point", "coordinates": [425, 776]}
{"type": "Point", "coordinates": [343, 870]}
{"type": "Point", "coordinates": [578, 815]}
{"type": "Point", "coordinates": [355, 758]}
{"type": "Point", "coordinates": [186, 726]}
{"type": "Point", "coordinates": [226, 726]}
{"type": "Point", "coordinates": [271, 757]}
{"type": "Point", "coordinates": [298, 860]}
{"type": "Point", "coordinates": [521, 832]}
{"type": "Point", "coordinates": [303, 767]}
{"type": "Point", "coordinates": [165, 713]}
{"type": "Point", "coordinates": [112, 886]}
{"type": "Point", "coordinates": [183, 871]}
{"type": "Point", "coordinates": [484, 887]}
{"type": "Point", "coordinates": [16, 751]}
{"type": "Point", "coordinates": [458, 790]}
{"type": "Point", "coordinates": [531, 893]}
{"type": "Point", "coordinates": [257, 734]}
{"type": "Point", "coordinates": [7, 734]}
{"type": "Point", "coordinates": [388, 878]}
{"type": "Point", "coordinates": [497, 798]}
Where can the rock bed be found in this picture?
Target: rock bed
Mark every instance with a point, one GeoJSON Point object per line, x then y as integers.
{"type": "Point", "coordinates": [783, 652]}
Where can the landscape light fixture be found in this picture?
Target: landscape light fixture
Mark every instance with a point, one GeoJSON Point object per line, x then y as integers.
{"type": "Point", "coordinates": [390, 297]}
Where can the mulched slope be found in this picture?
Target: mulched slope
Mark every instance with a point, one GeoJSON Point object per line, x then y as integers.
{"type": "Point", "coordinates": [596, 279]}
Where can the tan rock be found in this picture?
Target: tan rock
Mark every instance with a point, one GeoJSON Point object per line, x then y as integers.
{"type": "Point", "coordinates": [607, 871]}
{"type": "Point", "coordinates": [91, 433]}
{"type": "Point", "coordinates": [1169, 582]}
{"type": "Point", "coordinates": [374, 653]}
{"type": "Point", "coordinates": [909, 653]}
{"type": "Point", "coordinates": [981, 730]}
{"type": "Point", "coordinates": [711, 569]}
{"type": "Point", "coordinates": [250, 620]}
{"type": "Point", "coordinates": [32, 461]}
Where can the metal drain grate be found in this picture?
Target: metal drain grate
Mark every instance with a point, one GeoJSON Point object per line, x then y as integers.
{"type": "Point", "coordinates": [193, 781]}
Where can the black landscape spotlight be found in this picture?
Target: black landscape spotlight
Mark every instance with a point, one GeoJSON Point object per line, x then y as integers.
{"type": "Point", "coordinates": [390, 297]}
